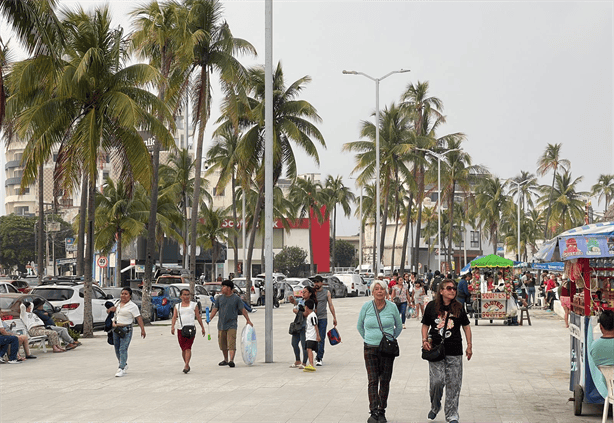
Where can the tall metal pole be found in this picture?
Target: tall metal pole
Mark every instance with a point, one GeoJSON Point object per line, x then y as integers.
{"type": "Point", "coordinates": [439, 212]}
{"type": "Point", "coordinates": [377, 164]}
{"type": "Point", "coordinates": [360, 239]}
{"type": "Point", "coordinates": [518, 184]}
{"type": "Point", "coordinates": [268, 181]}
{"type": "Point", "coordinates": [377, 185]}
{"type": "Point", "coordinates": [243, 231]}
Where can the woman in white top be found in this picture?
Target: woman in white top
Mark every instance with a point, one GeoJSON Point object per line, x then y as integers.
{"type": "Point", "coordinates": [187, 312]}
{"type": "Point", "coordinates": [125, 313]}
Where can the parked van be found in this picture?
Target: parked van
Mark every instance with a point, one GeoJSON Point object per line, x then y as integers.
{"type": "Point", "coordinates": [355, 284]}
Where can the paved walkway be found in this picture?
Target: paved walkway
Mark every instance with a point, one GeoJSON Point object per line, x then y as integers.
{"type": "Point", "coordinates": [517, 374]}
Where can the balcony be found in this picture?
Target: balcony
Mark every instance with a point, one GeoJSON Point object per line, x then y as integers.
{"type": "Point", "coordinates": [12, 164]}
{"type": "Point", "coordinates": [12, 181]}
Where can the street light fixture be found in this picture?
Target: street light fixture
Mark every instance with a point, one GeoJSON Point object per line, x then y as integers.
{"type": "Point", "coordinates": [439, 156]}
{"type": "Point", "coordinates": [519, 184]}
{"type": "Point", "coordinates": [377, 187]}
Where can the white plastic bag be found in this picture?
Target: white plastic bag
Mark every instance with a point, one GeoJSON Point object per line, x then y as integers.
{"type": "Point", "coordinates": [249, 346]}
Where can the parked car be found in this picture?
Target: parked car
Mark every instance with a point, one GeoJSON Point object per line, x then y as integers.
{"type": "Point", "coordinates": [22, 286]}
{"type": "Point", "coordinates": [164, 298]}
{"type": "Point", "coordinates": [7, 286]}
{"type": "Point", "coordinates": [284, 290]}
{"type": "Point", "coordinates": [298, 284]}
{"type": "Point", "coordinates": [277, 277]}
{"type": "Point", "coordinates": [168, 279]}
{"type": "Point", "coordinates": [335, 286]}
{"type": "Point", "coordinates": [215, 288]}
{"type": "Point", "coordinates": [201, 295]}
{"type": "Point", "coordinates": [257, 283]}
{"type": "Point", "coordinates": [354, 283]}
{"type": "Point", "coordinates": [69, 296]}
{"type": "Point", "coordinates": [137, 298]}
{"type": "Point", "coordinates": [9, 307]}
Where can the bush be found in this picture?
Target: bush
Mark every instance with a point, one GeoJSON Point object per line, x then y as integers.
{"type": "Point", "coordinates": [289, 260]}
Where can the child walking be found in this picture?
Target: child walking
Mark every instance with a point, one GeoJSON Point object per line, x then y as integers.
{"type": "Point", "coordinates": [312, 334]}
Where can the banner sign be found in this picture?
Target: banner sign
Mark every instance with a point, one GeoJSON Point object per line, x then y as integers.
{"type": "Point", "coordinates": [493, 305]}
{"type": "Point", "coordinates": [586, 246]}
{"type": "Point", "coordinates": [70, 245]}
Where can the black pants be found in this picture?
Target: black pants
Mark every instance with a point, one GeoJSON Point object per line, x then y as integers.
{"type": "Point", "coordinates": [379, 373]}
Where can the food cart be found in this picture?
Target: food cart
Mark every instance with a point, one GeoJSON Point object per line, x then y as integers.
{"type": "Point", "coordinates": [487, 304]}
{"type": "Point", "coordinates": [588, 254]}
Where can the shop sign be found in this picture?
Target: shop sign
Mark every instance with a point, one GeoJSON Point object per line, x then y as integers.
{"type": "Point", "coordinates": [493, 305]}
{"type": "Point", "coordinates": [586, 246]}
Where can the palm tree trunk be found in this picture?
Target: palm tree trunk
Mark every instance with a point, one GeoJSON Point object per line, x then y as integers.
{"type": "Point", "coordinates": [252, 238]}
{"type": "Point", "coordinates": [407, 225]}
{"type": "Point", "coordinates": [419, 199]}
{"type": "Point", "coordinates": [88, 323]}
{"type": "Point", "coordinates": [185, 230]}
{"type": "Point", "coordinates": [41, 222]}
{"type": "Point", "coordinates": [235, 240]}
{"type": "Point", "coordinates": [384, 225]}
{"type": "Point", "coordinates": [81, 234]}
{"type": "Point", "coordinates": [118, 262]}
{"type": "Point", "coordinates": [375, 249]}
{"type": "Point", "coordinates": [549, 205]}
{"type": "Point", "coordinates": [394, 240]}
{"type": "Point", "coordinates": [311, 264]}
{"type": "Point", "coordinates": [203, 112]}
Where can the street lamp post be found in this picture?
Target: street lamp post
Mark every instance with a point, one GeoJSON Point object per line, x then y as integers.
{"type": "Point", "coordinates": [438, 156]}
{"type": "Point", "coordinates": [519, 184]}
{"type": "Point", "coordinates": [377, 187]}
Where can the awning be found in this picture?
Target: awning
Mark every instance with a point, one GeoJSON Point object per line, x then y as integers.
{"type": "Point", "coordinates": [595, 240]}
{"type": "Point", "coordinates": [556, 266]}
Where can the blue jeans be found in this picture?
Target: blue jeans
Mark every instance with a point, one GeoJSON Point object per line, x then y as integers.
{"type": "Point", "coordinates": [121, 347]}
{"type": "Point", "coordinates": [7, 341]}
{"type": "Point", "coordinates": [402, 309]}
{"type": "Point", "coordinates": [296, 338]}
{"type": "Point", "coordinates": [531, 291]}
{"type": "Point", "coordinates": [322, 329]}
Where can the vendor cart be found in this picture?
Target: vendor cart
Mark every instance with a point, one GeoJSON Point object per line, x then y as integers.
{"type": "Point", "coordinates": [588, 254]}
{"type": "Point", "coordinates": [489, 304]}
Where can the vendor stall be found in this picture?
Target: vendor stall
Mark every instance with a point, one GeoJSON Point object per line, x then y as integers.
{"type": "Point", "coordinates": [492, 301]}
{"type": "Point", "coordinates": [588, 254]}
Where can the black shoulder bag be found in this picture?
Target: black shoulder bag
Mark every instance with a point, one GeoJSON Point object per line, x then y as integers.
{"type": "Point", "coordinates": [297, 325]}
{"type": "Point", "coordinates": [188, 331]}
{"type": "Point", "coordinates": [388, 347]}
{"type": "Point", "coordinates": [437, 352]}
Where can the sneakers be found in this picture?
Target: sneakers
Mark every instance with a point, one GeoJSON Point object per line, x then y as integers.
{"type": "Point", "coordinates": [431, 415]}
{"type": "Point", "coordinates": [223, 363]}
{"type": "Point", "coordinates": [382, 417]}
{"type": "Point", "coordinates": [404, 327]}
{"type": "Point", "coordinates": [14, 362]}
{"type": "Point", "coordinates": [126, 369]}
{"type": "Point", "coordinates": [2, 360]}
{"type": "Point", "coordinates": [231, 364]}
{"type": "Point", "coordinates": [120, 373]}
{"type": "Point", "coordinates": [373, 418]}
{"type": "Point", "coordinates": [318, 362]}
{"type": "Point", "coordinates": [309, 368]}
{"type": "Point", "coordinates": [453, 421]}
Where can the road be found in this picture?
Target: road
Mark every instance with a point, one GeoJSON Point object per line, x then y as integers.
{"type": "Point", "coordinates": [517, 374]}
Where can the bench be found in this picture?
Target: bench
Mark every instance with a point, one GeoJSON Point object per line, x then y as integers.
{"type": "Point", "coordinates": [17, 326]}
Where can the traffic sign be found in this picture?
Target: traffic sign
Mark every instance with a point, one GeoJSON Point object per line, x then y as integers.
{"type": "Point", "coordinates": [102, 261]}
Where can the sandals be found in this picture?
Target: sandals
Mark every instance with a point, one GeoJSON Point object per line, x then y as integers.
{"type": "Point", "coordinates": [186, 370]}
{"type": "Point", "coordinates": [295, 366]}
{"type": "Point", "coordinates": [223, 363]}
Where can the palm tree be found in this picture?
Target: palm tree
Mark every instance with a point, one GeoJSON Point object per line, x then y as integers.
{"type": "Point", "coordinates": [211, 233]}
{"type": "Point", "coordinates": [96, 108]}
{"type": "Point", "coordinates": [528, 188]}
{"type": "Point", "coordinates": [426, 113]}
{"type": "Point", "coordinates": [604, 188]}
{"type": "Point", "coordinates": [163, 37]}
{"type": "Point", "coordinates": [306, 196]}
{"type": "Point", "coordinates": [337, 193]}
{"type": "Point", "coordinates": [117, 220]}
{"type": "Point", "coordinates": [490, 200]}
{"type": "Point", "coordinates": [551, 160]}
{"type": "Point", "coordinates": [292, 124]}
{"type": "Point", "coordinates": [214, 52]}
{"type": "Point", "coordinates": [396, 143]}
{"type": "Point", "coordinates": [565, 202]}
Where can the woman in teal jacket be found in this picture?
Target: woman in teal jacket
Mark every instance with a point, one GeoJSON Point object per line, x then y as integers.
{"type": "Point", "coordinates": [379, 367]}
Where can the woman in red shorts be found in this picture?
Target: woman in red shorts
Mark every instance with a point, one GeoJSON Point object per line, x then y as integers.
{"type": "Point", "coordinates": [187, 312]}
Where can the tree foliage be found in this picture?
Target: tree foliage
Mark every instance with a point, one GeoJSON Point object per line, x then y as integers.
{"type": "Point", "coordinates": [345, 254]}
{"type": "Point", "coordinates": [289, 260]}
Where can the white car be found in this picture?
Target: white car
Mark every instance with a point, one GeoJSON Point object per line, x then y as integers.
{"type": "Point", "coordinates": [256, 284]}
{"type": "Point", "coordinates": [8, 288]}
{"type": "Point", "coordinates": [355, 284]}
{"type": "Point", "coordinates": [201, 295]}
{"type": "Point", "coordinates": [298, 284]}
{"type": "Point", "coordinates": [69, 296]}
{"type": "Point", "coordinates": [277, 277]}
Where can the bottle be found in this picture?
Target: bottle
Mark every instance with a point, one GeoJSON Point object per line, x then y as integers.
{"type": "Point", "coordinates": [430, 340]}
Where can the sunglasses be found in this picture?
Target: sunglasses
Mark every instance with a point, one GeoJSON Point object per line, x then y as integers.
{"type": "Point", "coordinates": [450, 288]}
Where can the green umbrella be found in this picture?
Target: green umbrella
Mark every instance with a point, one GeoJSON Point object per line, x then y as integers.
{"type": "Point", "coordinates": [492, 260]}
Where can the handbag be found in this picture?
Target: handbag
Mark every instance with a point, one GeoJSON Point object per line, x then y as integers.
{"type": "Point", "coordinates": [437, 352]}
{"type": "Point", "coordinates": [297, 325]}
{"type": "Point", "coordinates": [188, 331]}
{"type": "Point", "coordinates": [333, 336]}
{"type": "Point", "coordinates": [388, 346]}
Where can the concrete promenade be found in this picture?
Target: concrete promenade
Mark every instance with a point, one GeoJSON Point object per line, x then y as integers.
{"type": "Point", "coordinates": [517, 374]}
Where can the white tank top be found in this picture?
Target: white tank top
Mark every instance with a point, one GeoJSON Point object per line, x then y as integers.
{"type": "Point", "coordinates": [188, 315]}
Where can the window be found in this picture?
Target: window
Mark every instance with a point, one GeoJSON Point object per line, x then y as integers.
{"type": "Point", "coordinates": [475, 239]}
{"type": "Point", "coordinates": [22, 211]}
{"type": "Point", "coordinates": [105, 176]}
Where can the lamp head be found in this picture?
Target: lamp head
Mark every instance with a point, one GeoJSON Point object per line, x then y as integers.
{"type": "Point", "coordinates": [345, 72]}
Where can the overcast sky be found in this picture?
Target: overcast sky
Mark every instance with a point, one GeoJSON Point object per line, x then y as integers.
{"type": "Point", "coordinates": [513, 76]}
